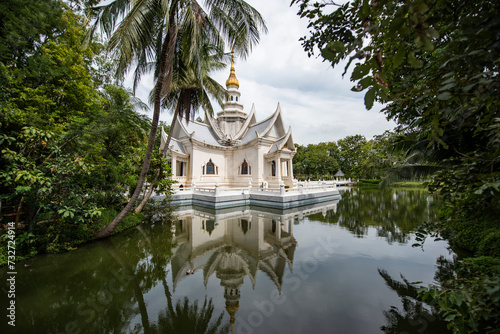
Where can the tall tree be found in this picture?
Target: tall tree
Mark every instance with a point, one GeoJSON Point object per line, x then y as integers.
{"type": "Point", "coordinates": [188, 94]}
{"type": "Point", "coordinates": [146, 36]}
{"type": "Point", "coordinates": [353, 154]}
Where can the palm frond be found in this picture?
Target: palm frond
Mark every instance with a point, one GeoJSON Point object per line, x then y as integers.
{"type": "Point", "coordinates": [408, 172]}
{"type": "Point", "coordinates": [238, 22]}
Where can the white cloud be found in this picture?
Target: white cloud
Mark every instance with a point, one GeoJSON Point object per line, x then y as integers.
{"type": "Point", "coordinates": [316, 101]}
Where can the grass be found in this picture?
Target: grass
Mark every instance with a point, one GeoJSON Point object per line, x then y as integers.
{"type": "Point", "coordinates": [410, 184]}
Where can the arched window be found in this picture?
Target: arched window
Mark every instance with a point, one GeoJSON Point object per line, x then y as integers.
{"type": "Point", "coordinates": [208, 225]}
{"type": "Point", "coordinates": [245, 226]}
{"type": "Point", "coordinates": [273, 168]}
{"type": "Point", "coordinates": [236, 99]}
{"type": "Point", "coordinates": [231, 98]}
{"type": "Point", "coordinates": [210, 170]}
{"type": "Point", "coordinates": [244, 168]}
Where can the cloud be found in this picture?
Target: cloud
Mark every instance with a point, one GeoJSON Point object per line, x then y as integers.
{"type": "Point", "coordinates": [316, 101]}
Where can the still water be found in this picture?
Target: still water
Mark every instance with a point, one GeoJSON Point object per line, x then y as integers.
{"type": "Point", "coordinates": [335, 267]}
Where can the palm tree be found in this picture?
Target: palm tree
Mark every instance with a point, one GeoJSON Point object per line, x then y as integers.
{"type": "Point", "coordinates": [188, 94]}
{"type": "Point", "coordinates": [421, 160]}
{"type": "Point", "coordinates": [147, 35]}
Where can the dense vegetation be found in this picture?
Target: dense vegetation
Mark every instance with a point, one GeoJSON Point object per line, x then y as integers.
{"type": "Point", "coordinates": [71, 142]}
{"type": "Point", "coordinates": [435, 65]}
{"type": "Point", "coordinates": [355, 156]}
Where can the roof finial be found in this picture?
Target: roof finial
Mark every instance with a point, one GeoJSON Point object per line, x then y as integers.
{"type": "Point", "coordinates": [232, 80]}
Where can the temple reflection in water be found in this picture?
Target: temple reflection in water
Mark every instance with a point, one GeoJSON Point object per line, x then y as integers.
{"type": "Point", "coordinates": [236, 243]}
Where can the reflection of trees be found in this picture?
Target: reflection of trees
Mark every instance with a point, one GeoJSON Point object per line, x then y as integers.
{"type": "Point", "coordinates": [87, 290]}
{"type": "Point", "coordinates": [415, 317]}
{"type": "Point", "coordinates": [466, 294]}
{"type": "Point", "coordinates": [393, 213]}
{"type": "Point", "coordinates": [101, 288]}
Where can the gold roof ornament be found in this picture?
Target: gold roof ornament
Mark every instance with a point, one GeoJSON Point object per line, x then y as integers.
{"type": "Point", "coordinates": [231, 309]}
{"type": "Point", "coordinates": [232, 80]}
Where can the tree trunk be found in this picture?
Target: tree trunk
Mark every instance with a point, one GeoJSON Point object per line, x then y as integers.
{"type": "Point", "coordinates": [157, 173]}
{"type": "Point", "coordinates": [163, 82]}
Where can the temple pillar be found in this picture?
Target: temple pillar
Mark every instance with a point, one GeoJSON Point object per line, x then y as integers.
{"type": "Point", "coordinates": [173, 164]}
{"type": "Point", "coordinates": [278, 168]}
{"type": "Point", "coordinates": [278, 228]}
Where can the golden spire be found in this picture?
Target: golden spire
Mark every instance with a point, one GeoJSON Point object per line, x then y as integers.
{"type": "Point", "coordinates": [231, 309]}
{"type": "Point", "coordinates": [232, 76]}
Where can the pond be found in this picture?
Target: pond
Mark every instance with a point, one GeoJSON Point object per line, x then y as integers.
{"type": "Point", "coordinates": [335, 267]}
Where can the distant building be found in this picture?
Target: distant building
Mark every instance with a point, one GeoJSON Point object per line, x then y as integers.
{"type": "Point", "coordinates": [233, 149]}
{"type": "Point", "coordinates": [339, 174]}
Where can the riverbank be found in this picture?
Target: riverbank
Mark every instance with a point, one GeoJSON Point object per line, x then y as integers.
{"type": "Point", "coordinates": [401, 184]}
{"type": "Point", "coordinates": [59, 236]}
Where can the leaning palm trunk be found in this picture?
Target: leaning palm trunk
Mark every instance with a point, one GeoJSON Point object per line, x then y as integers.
{"type": "Point", "coordinates": [137, 40]}
{"type": "Point", "coordinates": [158, 170]}
{"type": "Point", "coordinates": [163, 83]}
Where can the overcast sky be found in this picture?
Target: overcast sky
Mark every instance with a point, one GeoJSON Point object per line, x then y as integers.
{"type": "Point", "coordinates": [315, 100]}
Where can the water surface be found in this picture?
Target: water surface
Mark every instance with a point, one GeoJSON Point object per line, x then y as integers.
{"type": "Point", "coordinates": [328, 268]}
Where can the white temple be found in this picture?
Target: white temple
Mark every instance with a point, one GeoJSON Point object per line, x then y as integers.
{"type": "Point", "coordinates": [233, 149]}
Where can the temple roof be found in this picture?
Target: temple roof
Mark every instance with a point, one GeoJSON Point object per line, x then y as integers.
{"type": "Point", "coordinates": [283, 142]}
{"type": "Point", "coordinates": [262, 128]}
{"type": "Point", "coordinates": [232, 127]}
{"type": "Point", "coordinates": [174, 143]}
{"type": "Point", "coordinates": [199, 131]}
{"type": "Point", "coordinates": [271, 128]}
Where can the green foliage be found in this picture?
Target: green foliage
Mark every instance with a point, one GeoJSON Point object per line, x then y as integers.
{"type": "Point", "coordinates": [480, 266]}
{"type": "Point", "coordinates": [369, 183]}
{"type": "Point", "coordinates": [70, 144]}
{"type": "Point", "coordinates": [469, 299]}
{"type": "Point", "coordinates": [109, 214]}
{"type": "Point", "coordinates": [490, 246]}
{"type": "Point", "coordinates": [354, 155]}
{"type": "Point", "coordinates": [435, 65]}
{"type": "Point", "coordinates": [18, 39]}
{"type": "Point", "coordinates": [24, 246]}
{"type": "Point", "coordinates": [320, 159]}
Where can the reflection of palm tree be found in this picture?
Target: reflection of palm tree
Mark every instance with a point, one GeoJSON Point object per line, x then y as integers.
{"type": "Point", "coordinates": [183, 318]}
{"type": "Point", "coordinates": [421, 160]}
{"type": "Point", "coordinates": [186, 318]}
{"type": "Point", "coordinates": [415, 317]}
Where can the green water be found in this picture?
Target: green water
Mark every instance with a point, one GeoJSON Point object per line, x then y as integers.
{"type": "Point", "coordinates": [328, 268]}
